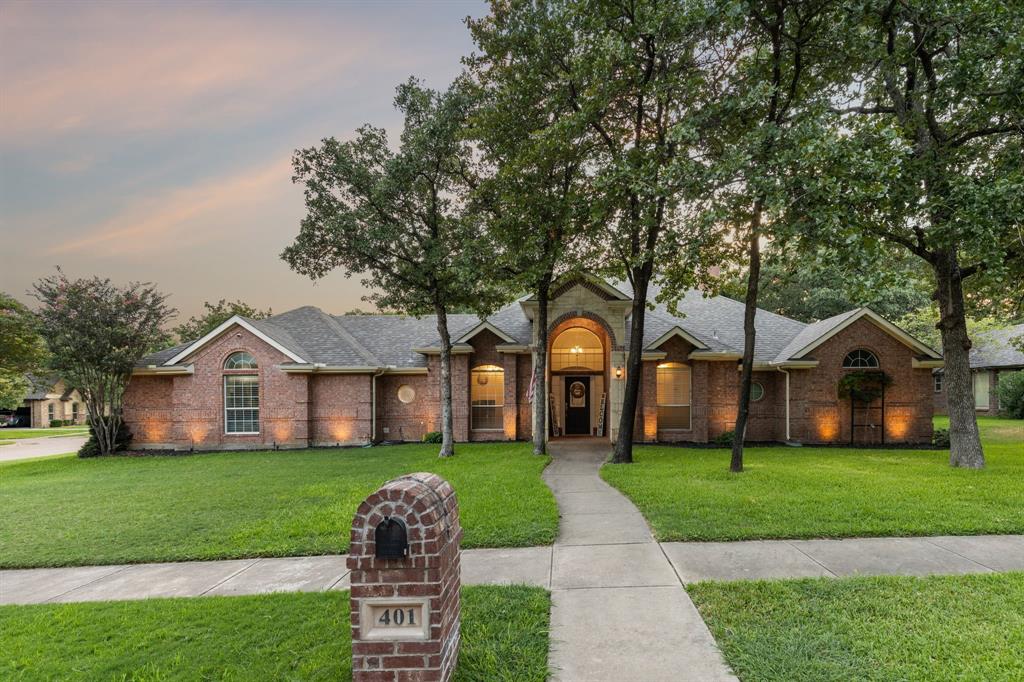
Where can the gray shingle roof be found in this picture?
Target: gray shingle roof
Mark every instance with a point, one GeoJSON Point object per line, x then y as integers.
{"type": "Point", "coordinates": [995, 348]}
{"type": "Point", "coordinates": [389, 340]}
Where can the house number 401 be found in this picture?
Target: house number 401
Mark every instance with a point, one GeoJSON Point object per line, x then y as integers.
{"type": "Point", "coordinates": [398, 617]}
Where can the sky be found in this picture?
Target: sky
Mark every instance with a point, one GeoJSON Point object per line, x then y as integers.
{"type": "Point", "coordinates": [146, 141]}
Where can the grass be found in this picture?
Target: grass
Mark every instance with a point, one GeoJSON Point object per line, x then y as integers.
{"type": "Point", "coordinates": [268, 637]}
{"type": "Point", "coordinates": [784, 492]}
{"type": "Point", "coordinates": [68, 511]}
{"type": "Point", "coordinates": [56, 432]}
{"type": "Point", "coordinates": [891, 628]}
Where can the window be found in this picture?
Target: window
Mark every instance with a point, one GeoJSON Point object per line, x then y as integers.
{"type": "Point", "coordinates": [673, 381]}
{"type": "Point", "coordinates": [50, 412]}
{"type": "Point", "coordinates": [487, 398]}
{"type": "Point", "coordinates": [241, 404]}
{"type": "Point", "coordinates": [74, 412]}
{"type": "Point", "coordinates": [860, 359]}
{"type": "Point", "coordinates": [937, 380]}
{"type": "Point", "coordinates": [577, 349]}
{"type": "Point", "coordinates": [756, 391]}
{"type": "Point", "coordinates": [240, 360]}
{"type": "Point", "coordinates": [406, 393]}
{"type": "Point", "coordinates": [981, 398]}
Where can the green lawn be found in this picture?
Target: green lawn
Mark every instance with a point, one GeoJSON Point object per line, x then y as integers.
{"type": "Point", "coordinates": [19, 434]}
{"type": "Point", "coordinates": [938, 628]}
{"type": "Point", "coordinates": [785, 492]}
{"type": "Point", "coordinates": [269, 637]}
{"type": "Point", "coordinates": [69, 511]}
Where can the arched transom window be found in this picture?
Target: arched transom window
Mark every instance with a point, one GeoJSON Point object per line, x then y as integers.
{"type": "Point", "coordinates": [860, 359]}
{"type": "Point", "coordinates": [577, 349]}
{"type": "Point", "coordinates": [487, 398]}
{"type": "Point", "coordinates": [240, 360]}
{"type": "Point", "coordinates": [673, 380]}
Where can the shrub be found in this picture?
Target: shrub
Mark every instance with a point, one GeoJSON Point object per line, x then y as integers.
{"type": "Point", "coordinates": [1011, 394]}
{"type": "Point", "coordinates": [122, 440]}
{"type": "Point", "coordinates": [56, 422]}
{"type": "Point", "coordinates": [432, 437]}
{"type": "Point", "coordinates": [940, 438]}
{"type": "Point", "coordinates": [725, 439]}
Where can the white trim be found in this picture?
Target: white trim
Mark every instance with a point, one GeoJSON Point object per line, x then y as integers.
{"type": "Point", "coordinates": [489, 327]}
{"type": "Point", "coordinates": [153, 370]}
{"type": "Point", "coordinates": [714, 355]}
{"type": "Point", "coordinates": [880, 322]}
{"type": "Point", "coordinates": [681, 333]}
{"type": "Point", "coordinates": [226, 324]}
{"type": "Point", "coordinates": [517, 348]}
{"type": "Point", "coordinates": [927, 364]}
{"type": "Point", "coordinates": [225, 408]}
{"type": "Point", "coordinates": [653, 355]}
{"type": "Point", "coordinates": [457, 349]}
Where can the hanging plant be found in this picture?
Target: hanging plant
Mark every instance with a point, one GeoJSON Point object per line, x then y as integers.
{"type": "Point", "coordinates": [864, 386]}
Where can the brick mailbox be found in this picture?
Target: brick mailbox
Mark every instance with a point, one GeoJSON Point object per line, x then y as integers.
{"type": "Point", "coordinates": [405, 577]}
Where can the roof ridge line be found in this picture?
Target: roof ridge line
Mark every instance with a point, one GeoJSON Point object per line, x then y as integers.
{"type": "Point", "coordinates": [350, 339]}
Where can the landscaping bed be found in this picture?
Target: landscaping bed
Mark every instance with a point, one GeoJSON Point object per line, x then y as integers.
{"type": "Point", "coordinates": [280, 636]}
{"type": "Point", "coordinates": [811, 492]}
{"type": "Point", "coordinates": [890, 628]}
{"type": "Point", "coordinates": [68, 511]}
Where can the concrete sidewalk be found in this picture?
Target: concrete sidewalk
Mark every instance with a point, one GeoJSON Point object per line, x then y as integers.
{"type": "Point", "coordinates": [30, 448]}
{"type": "Point", "coordinates": [564, 567]}
{"type": "Point", "coordinates": [618, 611]}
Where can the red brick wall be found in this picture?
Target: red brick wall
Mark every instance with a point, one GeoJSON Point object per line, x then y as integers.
{"type": "Point", "coordinates": [819, 416]}
{"type": "Point", "coordinates": [406, 421]}
{"type": "Point", "coordinates": [340, 413]}
{"type": "Point", "coordinates": [524, 375]}
{"type": "Point", "coordinates": [197, 401]}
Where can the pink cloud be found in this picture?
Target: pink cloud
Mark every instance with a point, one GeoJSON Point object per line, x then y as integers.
{"type": "Point", "coordinates": [128, 68]}
{"type": "Point", "coordinates": [182, 218]}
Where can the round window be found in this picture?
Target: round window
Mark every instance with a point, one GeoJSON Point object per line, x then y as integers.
{"type": "Point", "coordinates": [406, 393]}
{"type": "Point", "coordinates": [756, 391]}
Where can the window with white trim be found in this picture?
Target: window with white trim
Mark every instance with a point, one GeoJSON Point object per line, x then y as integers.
{"type": "Point", "coordinates": [50, 413]}
{"type": "Point", "coordinates": [673, 379]}
{"type": "Point", "coordinates": [241, 404]}
{"type": "Point", "coordinates": [240, 360]}
{"type": "Point", "coordinates": [487, 398]}
{"type": "Point", "coordinates": [860, 359]}
{"type": "Point", "coordinates": [937, 381]}
{"type": "Point", "coordinates": [74, 412]}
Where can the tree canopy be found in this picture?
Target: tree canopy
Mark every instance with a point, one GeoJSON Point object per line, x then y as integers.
{"type": "Point", "coordinates": [215, 314]}
{"type": "Point", "coordinates": [22, 350]}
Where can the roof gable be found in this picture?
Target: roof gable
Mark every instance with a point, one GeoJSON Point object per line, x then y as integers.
{"type": "Point", "coordinates": [224, 326]}
{"type": "Point", "coordinates": [820, 332]}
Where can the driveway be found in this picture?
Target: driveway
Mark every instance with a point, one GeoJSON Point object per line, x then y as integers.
{"type": "Point", "coordinates": [28, 448]}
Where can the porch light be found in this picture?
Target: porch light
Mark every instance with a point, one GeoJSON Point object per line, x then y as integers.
{"type": "Point", "coordinates": [618, 372]}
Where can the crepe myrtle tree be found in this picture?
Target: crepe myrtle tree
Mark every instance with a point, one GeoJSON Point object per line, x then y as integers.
{"type": "Point", "coordinates": [399, 216]}
{"type": "Point", "coordinates": [96, 331]}
{"type": "Point", "coordinates": [532, 185]}
{"type": "Point", "coordinates": [926, 157]}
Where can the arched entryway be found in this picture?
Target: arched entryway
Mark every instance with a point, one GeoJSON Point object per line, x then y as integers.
{"type": "Point", "coordinates": [578, 376]}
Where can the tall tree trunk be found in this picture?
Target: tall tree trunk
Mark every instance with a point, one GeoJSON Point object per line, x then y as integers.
{"type": "Point", "coordinates": [623, 453]}
{"type": "Point", "coordinates": [749, 337]}
{"type": "Point", "coordinates": [447, 426]}
{"type": "Point", "coordinates": [964, 440]}
{"type": "Point", "coordinates": [540, 382]}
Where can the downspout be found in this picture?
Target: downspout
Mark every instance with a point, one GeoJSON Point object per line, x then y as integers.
{"type": "Point", "coordinates": [786, 372]}
{"type": "Point", "coordinates": [373, 405]}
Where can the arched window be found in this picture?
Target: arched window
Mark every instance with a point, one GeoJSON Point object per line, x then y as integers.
{"type": "Point", "coordinates": [756, 391]}
{"type": "Point", "coordinates": [577, 349]}
{"type": "Point", "coordinates": [241, 396]}
{"type": "Point", "coordinates": [673, 380]}
{"type": "Point", "coordinates": [240, 360]}
{"type": "Point", "coordinates": [860, 359]}
{"type": "Point", "coordinates": [487, 398]}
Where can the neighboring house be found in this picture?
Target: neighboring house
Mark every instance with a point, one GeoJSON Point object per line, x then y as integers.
{"type": "Point", "coordinates": [992, 353]}
{"type": "Point", "coordinates": [306, 378]}
{"type": "Point", "coordinates": [50, 399]}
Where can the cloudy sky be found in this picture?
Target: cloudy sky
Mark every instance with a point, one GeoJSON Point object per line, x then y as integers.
{"type": "Point", "coordinates": [151, 141]}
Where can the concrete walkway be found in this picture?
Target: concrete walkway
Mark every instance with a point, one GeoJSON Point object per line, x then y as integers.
{"type": "Point", "coordinates": [618, 610]}
{"type": "Point", "coordinates": [30, 448]}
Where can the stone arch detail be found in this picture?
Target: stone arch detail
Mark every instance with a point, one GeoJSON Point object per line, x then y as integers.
{"type": "Point", "coordinates": [573, 314]}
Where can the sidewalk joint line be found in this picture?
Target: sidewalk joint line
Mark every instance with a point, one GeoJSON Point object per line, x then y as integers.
{"type": "Point", "coordinates": [241, 570]}
{"type": "Point", "coordinates": [826, 568]}
{"type": "Point", "coordinates": [966, 558]}
{"type": "Point", "coordinates": [78, 587]}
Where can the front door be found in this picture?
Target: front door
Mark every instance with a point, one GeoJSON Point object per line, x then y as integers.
{"type": "Point", "coordinates": [577, 406]}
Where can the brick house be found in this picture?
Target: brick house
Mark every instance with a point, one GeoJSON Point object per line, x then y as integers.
{"type": "Point", "coordinates": [305, 378]}
{"type": "Point", "coordinates": [992, 354]}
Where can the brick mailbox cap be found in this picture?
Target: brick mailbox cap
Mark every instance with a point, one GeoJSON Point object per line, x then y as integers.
{"type": "Point", "coordinates": [425, 502]}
